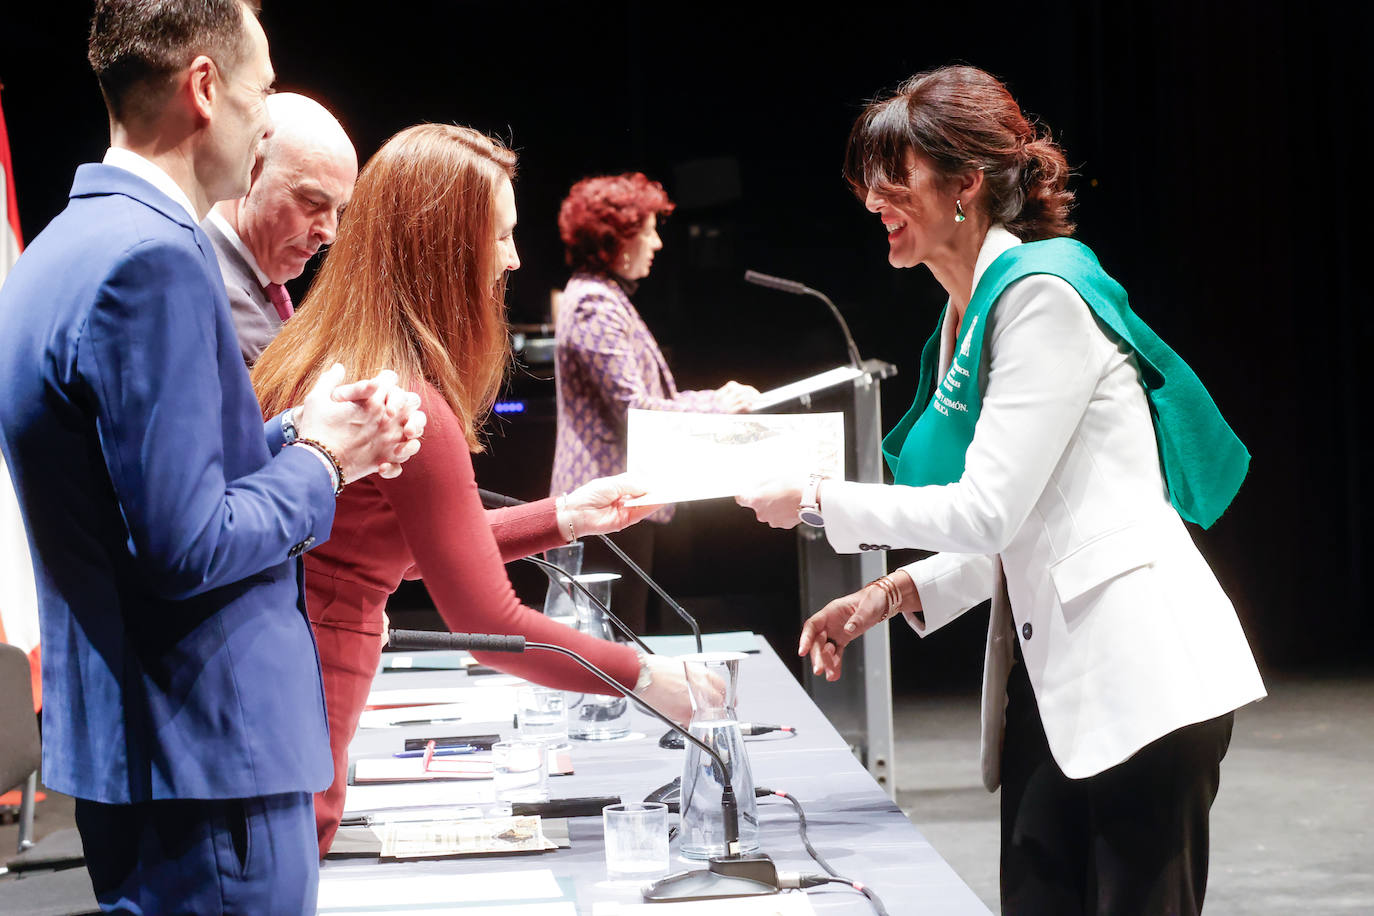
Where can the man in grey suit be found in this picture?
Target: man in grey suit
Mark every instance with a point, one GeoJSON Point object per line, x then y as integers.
{"type": "Point", "coordinates": [301, 182]}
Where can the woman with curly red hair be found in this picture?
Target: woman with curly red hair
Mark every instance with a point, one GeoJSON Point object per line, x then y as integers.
{"type": "Point", "coordinates": [607, 360]}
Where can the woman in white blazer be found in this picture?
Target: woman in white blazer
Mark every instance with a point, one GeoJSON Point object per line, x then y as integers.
{"type": "Point", "coordinates": [1053, 445]}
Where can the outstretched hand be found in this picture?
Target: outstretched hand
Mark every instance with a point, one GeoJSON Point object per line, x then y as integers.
{"type": "Point", "coordinates": [828, 631]}
{"type": "Point", "coordinates": [598, 507]}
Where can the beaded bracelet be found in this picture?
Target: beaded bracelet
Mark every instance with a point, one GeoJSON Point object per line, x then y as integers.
{"type": "Point", "coordinates": [890, 591]}
{"type": "Point", "coordinates": [336, 469]}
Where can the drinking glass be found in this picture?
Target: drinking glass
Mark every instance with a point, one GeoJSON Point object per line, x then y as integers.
{"type": "Point", "coordinates": [636, 841]}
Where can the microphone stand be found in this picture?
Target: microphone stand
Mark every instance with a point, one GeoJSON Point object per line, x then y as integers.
{"type": "Point", "coordinates": [553, 569]}
{"type": "Point", "coordinates": [734, 874]}
{"type": "Point", "coordinates": [492, 500]}
{"type": "Point", "coordinates": [801, 289]}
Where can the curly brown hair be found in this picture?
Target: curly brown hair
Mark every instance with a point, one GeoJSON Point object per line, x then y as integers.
{"type": "Point", "coordinates": [600, 215]}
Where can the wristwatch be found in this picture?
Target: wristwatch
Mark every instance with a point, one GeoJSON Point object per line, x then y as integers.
{"type": "Point", "coordinates": [809, 513]}
{"type": "Point", "coordinates": [288, 426]}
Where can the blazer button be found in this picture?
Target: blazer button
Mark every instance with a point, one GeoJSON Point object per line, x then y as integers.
{"type": "Point", "coordinates": [1026, 630]}
{"type": "Point", "coordinates": [302, 547]}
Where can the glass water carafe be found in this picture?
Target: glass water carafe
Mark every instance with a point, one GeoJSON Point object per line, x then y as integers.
{"type": "Point", "coordinates": [558, 601]}
{"type": "Point", "coordinates": [714, 722]}
{"type": "Point", "coordinates": [592, 716]}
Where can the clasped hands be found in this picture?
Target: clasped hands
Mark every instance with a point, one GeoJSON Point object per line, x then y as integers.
{"type": "Point", "coordinates": [372, 425]}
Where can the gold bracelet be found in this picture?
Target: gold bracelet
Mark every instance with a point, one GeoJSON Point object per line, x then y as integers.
{"type": "Point", "coordinates": [890, 591]}
{"type": "Point", "coordinates": [560, 505]}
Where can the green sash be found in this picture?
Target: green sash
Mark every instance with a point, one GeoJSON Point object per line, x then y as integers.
{"type": "Point", "coordinates": [1203, 460]}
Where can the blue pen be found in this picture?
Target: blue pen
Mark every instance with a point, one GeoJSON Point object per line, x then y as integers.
{"type": "Point", "coordinates": [442, 751]}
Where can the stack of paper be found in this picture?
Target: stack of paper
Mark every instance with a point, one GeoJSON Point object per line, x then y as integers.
{"type": "Point", "coordinates": [366, 891]}
{"type": "Point", "coordinates": [388, 795]}
{"type": "Point", "coordinates": [413, 769]}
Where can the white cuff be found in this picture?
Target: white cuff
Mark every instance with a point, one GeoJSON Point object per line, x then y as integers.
{"type": "Point", "coordinates": [949, 584]}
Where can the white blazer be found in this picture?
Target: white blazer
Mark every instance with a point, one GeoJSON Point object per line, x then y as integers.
{"type": "Point", "coordinates": [1063, 519]}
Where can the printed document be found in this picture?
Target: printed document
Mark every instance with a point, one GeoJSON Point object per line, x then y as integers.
{"type": "Point", "coordinates": [686, 456]}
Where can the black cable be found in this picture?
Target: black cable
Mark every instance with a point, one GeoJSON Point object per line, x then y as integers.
{"type": "Point", "coordinates": [833, 877]}
{"type": "Point", "coordinates": [762, 791]}
{"type": "Point", "coordinates": [816, 880]}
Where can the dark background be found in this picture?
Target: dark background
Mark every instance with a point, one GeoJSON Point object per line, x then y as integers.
{"type": "Point", "coordinates": [1222, 174]}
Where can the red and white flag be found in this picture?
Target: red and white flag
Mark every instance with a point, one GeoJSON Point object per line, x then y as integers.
{"type": "Point", "coordinates": [11, 242]}
{"type": "Point", "coordinates": [18, 597]}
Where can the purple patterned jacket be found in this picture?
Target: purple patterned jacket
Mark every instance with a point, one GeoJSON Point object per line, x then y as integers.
{"type": "Point", "coordinates": [607, 362]}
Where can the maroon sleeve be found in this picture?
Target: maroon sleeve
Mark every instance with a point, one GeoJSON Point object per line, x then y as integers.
{"type": "Point", "coordinates": [441, 517]}
{"type": "Point", "coordinates": [523, 531]}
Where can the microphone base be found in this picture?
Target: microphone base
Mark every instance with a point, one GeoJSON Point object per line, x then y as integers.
{"type": "Point", "coordinates": [725, 876]}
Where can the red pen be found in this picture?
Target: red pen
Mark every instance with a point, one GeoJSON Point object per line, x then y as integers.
{"type": "Point", "coordinates": [429, 755]}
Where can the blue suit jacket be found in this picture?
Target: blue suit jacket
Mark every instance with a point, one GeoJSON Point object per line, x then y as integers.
{"type": "Point", "coordinates": [163, 517]}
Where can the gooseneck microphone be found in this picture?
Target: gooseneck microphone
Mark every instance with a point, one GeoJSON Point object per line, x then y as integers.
{"type": "Point", "coordinates": [801, 289]}
{"type": "Point", "coordinates": [493, 500]}
{"type": "Point", "coordinates": [485, 642]}
{"type": "Point", "coordinates": [554, 570]}
{"type": "Point", "coordinates": [734, 874]}
{"type": "Point", "coordinates": [471, 642]}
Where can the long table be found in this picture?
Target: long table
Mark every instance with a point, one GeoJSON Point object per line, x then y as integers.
{"type": "Point", "coordinates": [850, 820]}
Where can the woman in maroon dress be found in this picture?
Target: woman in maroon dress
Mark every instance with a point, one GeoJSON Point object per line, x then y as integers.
{"type": "Point", "coordinates": [416, 281]}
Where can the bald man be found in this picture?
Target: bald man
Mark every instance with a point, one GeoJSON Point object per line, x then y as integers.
{"type": "Point", "coordinates": [301, 181]}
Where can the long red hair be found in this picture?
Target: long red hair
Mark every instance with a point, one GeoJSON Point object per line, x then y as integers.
{"type": "Point", "coordinates": [409, 282]}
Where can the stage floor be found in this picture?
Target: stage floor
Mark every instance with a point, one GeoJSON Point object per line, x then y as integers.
{"type": "Point", "coordinates": [1291, 826]}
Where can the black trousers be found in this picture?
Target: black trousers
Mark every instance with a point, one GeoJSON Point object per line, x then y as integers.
{"type": "Point", "coordinates": [1132, 839]}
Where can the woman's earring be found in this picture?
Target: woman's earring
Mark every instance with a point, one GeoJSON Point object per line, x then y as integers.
{"type": "Point", "coordinates": [959, 211]}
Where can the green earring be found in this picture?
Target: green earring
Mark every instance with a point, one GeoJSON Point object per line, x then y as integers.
{"type": "Point", "coordinates": [959, 212]}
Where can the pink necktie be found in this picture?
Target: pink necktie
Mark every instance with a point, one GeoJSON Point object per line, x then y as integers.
{"type": "Point", "coordinates": [281, 300]}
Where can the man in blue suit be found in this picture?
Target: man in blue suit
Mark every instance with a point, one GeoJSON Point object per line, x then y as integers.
{"type": "Point", "coordinates": [183, 702]}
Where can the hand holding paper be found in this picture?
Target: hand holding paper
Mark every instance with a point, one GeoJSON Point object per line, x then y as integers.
{"type": "Point", "coordinates": [604, 506]}
{"type": "Point", "coordinates": [685, 456]}
{"type": "Point", "coordinates": [774, 502]}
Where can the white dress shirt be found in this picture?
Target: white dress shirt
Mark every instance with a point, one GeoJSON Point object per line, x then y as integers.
{"type": "Point", "coordinates": [223, 226]}
{"type": "Point", "coordinates": [152, 173]}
